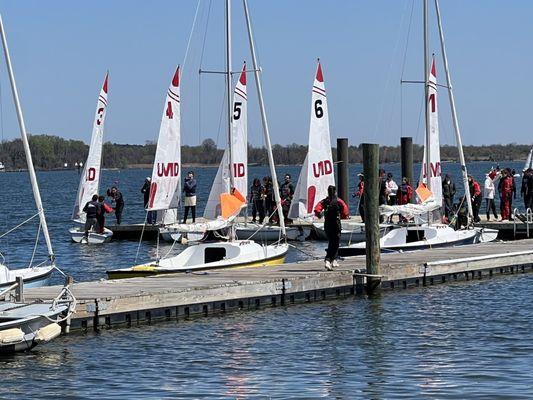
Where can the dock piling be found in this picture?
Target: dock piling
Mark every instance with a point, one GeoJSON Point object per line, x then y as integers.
{"type": "Point", "coordinates": [371, 172]}
{"type": "Point", "coordinates": [342, 170]}
{"type": "Point", "coordinates": [19, 290]}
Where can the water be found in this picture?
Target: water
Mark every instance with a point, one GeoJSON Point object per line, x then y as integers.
{"type": "Point", "coordinates": [452, 341]}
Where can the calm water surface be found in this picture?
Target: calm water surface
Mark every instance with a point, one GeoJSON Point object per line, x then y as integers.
{"type": "Point", "coordinates": [453, 341]}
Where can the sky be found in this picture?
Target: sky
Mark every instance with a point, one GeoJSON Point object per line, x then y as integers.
{"type": "Point", "coordinates": [61, 51]}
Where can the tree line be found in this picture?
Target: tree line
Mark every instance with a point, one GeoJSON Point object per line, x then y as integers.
{"type": "Point", "coordinates": [53, 152]}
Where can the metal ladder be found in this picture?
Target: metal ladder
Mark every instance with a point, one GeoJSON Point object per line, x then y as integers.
{"type": "Point", "coordinates": [526, 219]}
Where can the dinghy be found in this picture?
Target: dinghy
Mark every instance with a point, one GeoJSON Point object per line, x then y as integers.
{"type": "Point", "coordinates": [429, 232]}
{"type": "Point", "coordinates": [34, 275]}
{"type": "Point", "coordinates": [232, 252]}
{"type": "Point", "coordinates": [25, 325]}
{"type": "Point", "coordinates": [90, 178]}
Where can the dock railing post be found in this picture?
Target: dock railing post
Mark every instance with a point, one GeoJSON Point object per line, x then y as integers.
{"type": "Point", "coordinates": [371, 173]}
{"type": "Point", "coordinates": [406, 145]}
{"type": "Point", "coordinates": [343, 170]}
{"type": "Point", "coordinates": [19, 291]}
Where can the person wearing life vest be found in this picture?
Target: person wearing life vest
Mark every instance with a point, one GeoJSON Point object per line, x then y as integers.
{"type": "Point", "coordinates": [475, 193]}
{"type": "Point", "coordinates": [189, 188]}
{"type": "Point", "coordinates": [332, 209]}
{"type": "Point", "coordinates": [256, 198]}
{"type": "Point", "coordinates": [100, 217]}
{"type": "Point", "coordinates": [91, 209]}
{"type": "Point", "coordinates": [360, 192]}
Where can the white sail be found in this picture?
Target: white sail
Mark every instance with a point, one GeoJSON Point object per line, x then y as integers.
{"type": "Point", "coordinates": [529, 160]}
{"type": "Point", "coordinates": [317, 171]}
{"type": "Point", "coordinates": [166, 172]}
{"type": "Point", "coordinates": [435, 183]}
{"type": "Point", "coordinates": [90, 179]}
{"type": "Point", "coordinates": [239, 153]}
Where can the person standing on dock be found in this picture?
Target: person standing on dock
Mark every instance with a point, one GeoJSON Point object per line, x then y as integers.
{"type": "Point", "coordinates": [405, 194]}
{"type": "Point", "coordinates": [268, 194]}
{"type": "Point", "coordinates": [256, 198]}
{"type": "Point", "coordinates": [488, 195]}
{"type": "Point", "coordinates": [286, 193]}
{"type": "Point", "coordinates": [118, 199]}
{"type": "Point", "coordinates": [475, 192]}
{"type": "Point", "coordinates": [91, 209]}
{"type": "Point", "coordinates": [189, 188]}
{"type": "Point", "coordinates": [383, 195]}
{"type": "Point", "coordinates": [360, 192]}
{"type": "Point", "coordinates": [332, 209]}
{"type": "Point", "coordinates": [448, 193]}
{"type": "Point", "coordinates": [100, 217]}
{"type": "Point", "coordinates": [145, 190]}
{"type": "Point", "coordinates": [527, 189]}
{"type": "Point", "coordinates": [392, 189]}
{"type": "Point", "coordinates": [506, 189]}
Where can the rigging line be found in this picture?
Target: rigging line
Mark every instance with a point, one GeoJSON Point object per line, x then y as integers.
{"type": "Point", "coordinates": [389, 74]}
{"type": "Point", "coordinates": [19, 225]}
{"type": "Point", "coordinates": [191, 33]}
{"type": "Point", "coordinates": [36, 243]}
{"type": "Point", "coordinates": [403, 64]}
{"type": "Point", "coordinates": [200, 75]}
{"type": "Point", "coordinates": [141, 238]}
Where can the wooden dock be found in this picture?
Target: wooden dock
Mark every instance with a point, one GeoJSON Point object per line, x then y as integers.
{"type": "Point", "coordinates": [134, 231]}
{"type": "Point", "coordinates": [105, 304]}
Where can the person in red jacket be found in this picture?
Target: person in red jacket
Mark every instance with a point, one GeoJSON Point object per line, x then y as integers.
{"type": "Point", "coordinates": [333, 209]}
{"type": "Point", "coordinates": [100, 217]}
{"type": "Point", "coordinates": [506, 187]}
{"type": "Point", "coordinates": [475, 194]}
{"type": "Point", "coordinates": [405, 193]}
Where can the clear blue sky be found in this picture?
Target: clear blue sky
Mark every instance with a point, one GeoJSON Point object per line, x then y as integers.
{"type": "Point", "coordinates": [62, 49]}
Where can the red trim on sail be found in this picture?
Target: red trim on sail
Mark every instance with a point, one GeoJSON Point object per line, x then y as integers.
{"type": "Point", "coordinates": [176, 79]}
{"type": "Point", "coordinates": [104, 88]}
{"type": "Point", "coordinates": [433, 68]}
{"type": "Point", "coordinates": [319, 76]}
{"type": "Point", "coordinates": [242, 79]}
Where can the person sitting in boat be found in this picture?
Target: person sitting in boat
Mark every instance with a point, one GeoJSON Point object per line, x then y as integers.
{"type": "Point", "coordinates": [286, 192]}
{"type": "Point", "coordinates": [256, 198]}
{"type": "Point", "coordinates": [405, 194]}
{"type": "Point", "coordinates": [91, 209]}
{"type": "Point", "coordinates": [360, 192]}
{"type": "Point", "coordinates": [102, 211]}
{"type": "Point", "coordinates": [118, 199]}
{"type": "Point", "coordinates": [333, 210]}
{"type": "Point", "coordinates": [189, 188]}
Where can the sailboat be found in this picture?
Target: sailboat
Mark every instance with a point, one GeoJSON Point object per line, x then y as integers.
{"type": "Point", "coordinates": [90, 178]}
{"type": "Point", "coordinates": [529, 161]}
{"type": "Point", "coordinates": [34, 275]}
{"type": "Point", "coordinates": [221, 253]}
{"type": "Point", "coordinates": [431, 233]}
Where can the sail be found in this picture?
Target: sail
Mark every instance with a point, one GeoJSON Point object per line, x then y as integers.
{"type": "Point", "coordinates": [435, 183]}
{"type": "Point", "coordinates": [90, 179]}
{"type": "Point", "coordinates": [317, 171]}
{"type": "Point", "coordinates": [239, 153]}
{"type": "Point", "coordinates": [166, 172]}
{"type": "Point", "coordinates": [529, 160]}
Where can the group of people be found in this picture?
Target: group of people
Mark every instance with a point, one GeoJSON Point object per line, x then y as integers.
{"type": "Point", "coordinates": [97, 208]}
{"type": "Point", "coordinates": [262, 199]}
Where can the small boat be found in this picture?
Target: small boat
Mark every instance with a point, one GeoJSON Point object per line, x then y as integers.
{"type": "Point", "coordinates": [90, 178]}
{"type": "Point", "coordinates": [226, 200]}
{"type": "Point", "coordinates": [411, 238]}
{"type": "Point", "coordinates": [32, 276]}
{"type": "Point", "coordinates": [25, 325]}
{"type": "Point", "coordinates": [351, 231]}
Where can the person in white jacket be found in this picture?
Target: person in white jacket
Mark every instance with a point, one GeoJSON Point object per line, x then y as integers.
{"type": "Point", "coordinates": [488, 195]}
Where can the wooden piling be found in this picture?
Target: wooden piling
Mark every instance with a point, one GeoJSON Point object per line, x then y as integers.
{"type": "Point", "coordinates": [19, 291]}
{"type": "Point", "coordinates": [343, 188]}
{"type": "Point", "coordinates": [371, 172]}
{"type": "Point", "coordinates": [406, 145]}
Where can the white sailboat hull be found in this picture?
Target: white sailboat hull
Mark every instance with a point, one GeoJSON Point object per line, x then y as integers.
{"type": "Point", "coordinates": [205, 256]}
{"type": "Point", "coordinates": [423, 237]}
{"type": "Point", "coordinates": [77, 235]}
{"type": "Point", "coordinates": [351, 232]}
{"type": "Point", "coordinates": [270, 233]}
{"type": "Point", "coordinates": [32, 277]}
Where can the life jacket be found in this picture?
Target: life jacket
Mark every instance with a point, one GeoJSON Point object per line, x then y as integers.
{"type": "Point", "coordinates": [332, 215]}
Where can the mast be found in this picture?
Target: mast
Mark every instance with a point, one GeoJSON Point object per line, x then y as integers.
{"type": "Point", "coordinates": [228, 87]}
{"type": "Point", "coordinates": [457, 131]}
{"type": "Point", "coordinates": [264, 119]}
{"type": "Point", "coordinates": [426, 95]}
{"type": "Point", "coordinates": [23, 134]}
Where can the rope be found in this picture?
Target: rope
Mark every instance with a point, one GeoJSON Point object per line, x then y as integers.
{"type": "Point", "coordinates": [190, 34]}
{"type": "Point", "coordinates": [141, 238]}
{"type": "Point", "coordinates": [19, 225]}
{"type": "Point", "coordinates": [36, 243]}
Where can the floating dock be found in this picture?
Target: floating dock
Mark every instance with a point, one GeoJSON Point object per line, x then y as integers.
{"type": "Point", "coordinates": [127, 302]}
